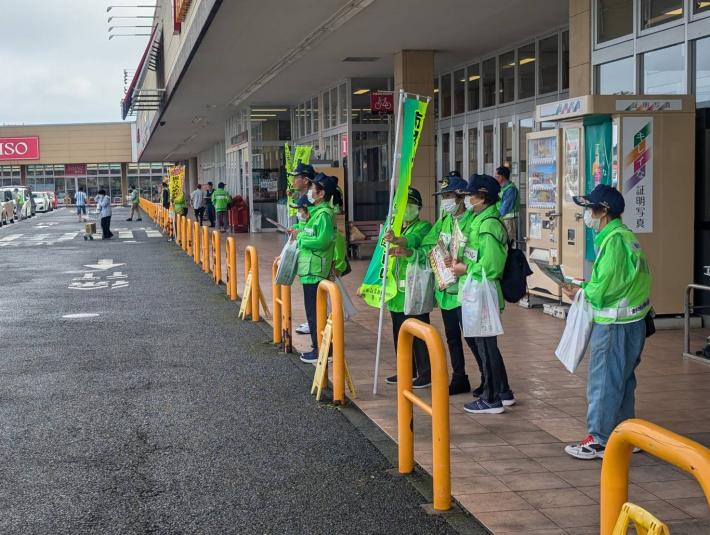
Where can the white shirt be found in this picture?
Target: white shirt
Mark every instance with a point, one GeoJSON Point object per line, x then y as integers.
{"type": "Point", "coordinates": [105, 204]}
{"type": "Point", "coordinates": [197, 198]}
{"type": "Point", "coordinates": [80, 198]}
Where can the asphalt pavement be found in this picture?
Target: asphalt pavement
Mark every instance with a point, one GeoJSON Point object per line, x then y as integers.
{"type": "Point", "coordinates": [133, 401]}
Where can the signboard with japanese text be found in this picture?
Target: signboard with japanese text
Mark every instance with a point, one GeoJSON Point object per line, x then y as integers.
{"type": "Point", "coordinates": [637, 173]}
{"type": "Point", "coordinates": [75, 169]}
{"type": "Point", "coordinates": [177, 177]}
{"type": "Point", "coordinates": [382, 102]}
{"type": "Point", "coordinates": [19, 148]}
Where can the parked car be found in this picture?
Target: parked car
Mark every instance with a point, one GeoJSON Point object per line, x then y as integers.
{"type": "Point", "coordinates": [41, 201]}
{"type": "Point", "coordinates": [7, 208]}
{"type": "Point", "coordinates": [52, 199]}
{"type": "Point", "coordinates": [9, 192]}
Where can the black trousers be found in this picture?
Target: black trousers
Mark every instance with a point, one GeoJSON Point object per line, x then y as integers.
{"type": "Point", "coordinates": [105, 227]}
{"type": "Point", "coordinates": [211, 214]}
{"type": "Point", "coordinates": [495, 377]}
{"type": "Point", "coordinates": [200, 214]}
{"type": "Point", "coordinates": [310, 292]}
{"type": "Point", "coordinates": [420, 355]}
{"type": "Point", "coordinates": [453, 328]}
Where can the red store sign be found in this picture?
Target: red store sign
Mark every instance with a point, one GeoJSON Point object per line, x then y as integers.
{"type": "Point", "coordinates": [19, 148]}
{"type": "Point", "coordinates": [382, 102]}
{"type": "Point", "coordinates": [74, 169]}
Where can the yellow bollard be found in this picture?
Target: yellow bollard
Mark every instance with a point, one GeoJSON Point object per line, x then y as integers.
{"type": "Point", "coordinates": [281, 302]}
{"type": "Point", "coordinates": [439, 409]}
{"type": "Point", "coordinates": [327, 289]}
{"type": "Point", "coordinates": [185, 234]}
{"type": "Point", "coordinates": [178, 230]}
{"type": "Point", "coordinates": [188, 234]}
{"type": "Point", "coordinates": [251, 266]}
{"type": "Point", "coordinates": [205, 250]}
{"type": "Point", "coordinates": [196, 242]}
{"type": "Point", "coordinates": [675, 449]}
{"type": "Point", "coordinates": [216, 257]}
{"type": "Point", "coordinates": [231, 254]}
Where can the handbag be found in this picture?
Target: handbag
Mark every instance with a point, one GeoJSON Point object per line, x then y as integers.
{"type": "Point", "coordinates": [419, 288]}
{"type": "Point", "coordinates": [288, 265]}
{"type": "Point", "coordinates": [578, 330]}
{"type": "Point", "coordinates": [479, 308]}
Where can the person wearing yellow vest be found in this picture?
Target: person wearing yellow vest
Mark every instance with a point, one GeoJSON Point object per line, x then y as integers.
{"type": "Point", "coordinates": [508, 204]}
{"type": "Point", "coordinates": [619, 291]}
{"type": "Point", "coordinates": [221, 200]}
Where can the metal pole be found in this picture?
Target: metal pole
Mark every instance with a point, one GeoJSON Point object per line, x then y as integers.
{"type": "Point", "coordinates": [395, 154]}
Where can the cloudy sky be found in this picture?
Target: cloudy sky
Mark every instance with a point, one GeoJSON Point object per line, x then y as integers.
{"type": "Point", "coordinates": [58, 65]}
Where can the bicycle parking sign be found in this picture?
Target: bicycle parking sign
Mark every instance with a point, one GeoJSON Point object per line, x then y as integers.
{"type": "Point", "coordinates": [381, 102]}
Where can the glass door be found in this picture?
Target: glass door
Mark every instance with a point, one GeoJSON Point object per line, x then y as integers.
{"type": "Point", "coordinates": [488, 149]}
{"type": "Point", "coordinates": [458, 151]}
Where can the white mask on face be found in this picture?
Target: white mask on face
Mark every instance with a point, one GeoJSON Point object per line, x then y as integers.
{"type": "Point", "coordinates": [469, 204]}
{"type": "Point", "coordinates": [300, 217]}
{"type": "Point", "coordinates": [309, 195]}
{"type": "Point", "coordinates": [591, 221]}
{"type": "Point", "coordinates": [411, 212]}
{"type": "Point", "coordinates": [449, 206]}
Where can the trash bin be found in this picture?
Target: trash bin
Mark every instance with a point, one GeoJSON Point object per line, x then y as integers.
{"type": "Point", "coordinates": [256, 221]}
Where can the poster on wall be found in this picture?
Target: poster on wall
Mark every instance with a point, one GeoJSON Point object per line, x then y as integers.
{"type": "Point", "coordinates": [637, 173]}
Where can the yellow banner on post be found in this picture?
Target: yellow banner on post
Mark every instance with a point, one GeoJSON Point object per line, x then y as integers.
{"type": "Point", "coordinates": [176, 176]}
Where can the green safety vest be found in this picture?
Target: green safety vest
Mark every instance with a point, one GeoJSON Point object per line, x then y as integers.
{"type": "Point", "coordinates": [619, 289]}
{"type": "Point", "coordinates": [179, 202]}
{"type": "Point", "coordinates": [316, 242]}
{"type": "Point", "coordinates": [516, 205]}
{"type": "Point", "coordinates": [414, 233]}
{"type": "Point", "coordinates": [220, 199]}
{"type": "Point", "coordinates": [447, 299]}
{"type": "Point", "coordinates": [487, 249]}
{"type": "Point", "coordinates": [340, 256]}
{"type": "Point", "coordinates": [134, 197]}
{"type": "Point", "coordinates": [20, 199]}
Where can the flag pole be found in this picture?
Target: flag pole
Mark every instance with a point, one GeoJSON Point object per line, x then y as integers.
{"type": "Point", "coordinates": [388, 223]}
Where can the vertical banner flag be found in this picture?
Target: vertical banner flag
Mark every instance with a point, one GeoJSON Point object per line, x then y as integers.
{"type": "Point", "coordinates": [597, 163]}
{"type": "Point", "coordinates": [177, 177]}
{"type": "Point", "coordinates": [371, 289]}
{"type": "Point", "coordinates": [301, 154]}
{"type": "Point", "coordinates": [637, 173]}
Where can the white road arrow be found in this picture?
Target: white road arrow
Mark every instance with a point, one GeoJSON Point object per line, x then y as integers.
{"type": "Point", "coordinates": [103, 264]}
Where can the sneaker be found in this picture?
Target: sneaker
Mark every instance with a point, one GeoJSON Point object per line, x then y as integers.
{"type": "Point", "coordinates": [481, 406]}
{"type": "Point", "coordinates": [139, 219]}
{"type": "Point", "coordinates": [303, 328]}
{"type": "Point", "coordinates": [129, 219]}
{"type": "Point", "coordinates": [421, 382]}
{"type": "Point", "coordinates": [459, 385]}
{"type": "Point", "coordinates": [507, 399]}
{"type": "Point", "coordinates": [310, 358]}
{"type": "Point", "coordinates": [391, 380]}
{"type": "Point", "coordinates": [588, 449]}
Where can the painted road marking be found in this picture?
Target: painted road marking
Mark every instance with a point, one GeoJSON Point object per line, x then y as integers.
{"type": "Point", "coordinates": [81, 315]}
{"type": "Point", "coordinates": [68, 236]}
{"type": "Point", "coordinates": [11, 237]}
{"type": "Point", "coordinates": [125, 234]}
{"type": "Point", "coordinates": [103, 264]}
{"type": "Point", "coordinates": [39, 237]}
{"type": "Point", "coordinates": [153, 233]}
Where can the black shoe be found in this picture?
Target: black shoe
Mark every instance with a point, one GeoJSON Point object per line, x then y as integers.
{"type": "Point", "coordinates": [130, 219]}
{"type": "Point", "coordinates": [421, 382]}
{"type": "Point", "coordinates": [139, 219]}
{"type": "Point", "coordinates": [392, 380]}
{"type": "Point", "coordinates": [459, 385]}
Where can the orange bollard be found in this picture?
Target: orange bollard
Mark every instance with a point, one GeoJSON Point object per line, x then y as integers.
{"type": "Point", "coordinates": [216, 257]}
{"type": "Point", "coordinates": [196, 242]}
{"type": "Point", "coordinates": [251, 266]}
{"type": "Point", "coordinates": [281, 301]}
{"type": "Point", "coordinates": [231, 254]}
{"type": "Point", "coordinates": [327, 289]}
{"type": "Point", "coordinates": [188, 234]}
{"type": "Point", "coordinates": [205, 250]}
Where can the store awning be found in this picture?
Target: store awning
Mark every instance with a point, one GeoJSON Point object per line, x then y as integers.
{"type": "Point", "coordinates": [142, 99]}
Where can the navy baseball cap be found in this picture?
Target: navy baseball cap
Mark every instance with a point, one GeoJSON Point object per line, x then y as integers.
{"type": "Point", "coordinates": [452, 183]}
{"type": "Point", "coordinates": [483, 184]}
{"type": "Point", "coordinates": [328, 183]}
{"type": "Point", "coordinates": [304, 169]}
{"type": "Point", "coordinates": [603, 196]}
{"type": "Point", "coordinates": [302, 202]}
{"type": "Point", "coordinates": [414, 196]}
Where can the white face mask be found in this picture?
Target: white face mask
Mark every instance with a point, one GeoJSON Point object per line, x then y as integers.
{"type": "Point", "coordinates": [411, 212]}
{"type": "Point", "coordinates": [301, 217]}
{"type": "Point", "coordinates": [309, 195]}
{"type": "Point", "coordinates": [469, 204]}
{"type": "Point", "coordinates": [449, 206]}
{"type": "Point", "coordinates": [591, 221]}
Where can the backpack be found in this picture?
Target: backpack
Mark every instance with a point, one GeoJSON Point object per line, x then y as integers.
{"type": "Point", "coordinates": [514, 282]}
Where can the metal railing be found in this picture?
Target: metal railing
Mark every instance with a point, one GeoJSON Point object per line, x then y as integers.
{"type": "Point", "coordinates": [281, 302]}
{"type": "Point", "coordinates": [686, 322]}
{"type": "Point", "coordinates": [439, 409]}
{"type": "Point", "coordinates": [328, 289]}
{"type": "Point", "coordinates": [231, 254]}
{"type": "Point", "coordinates": [675, 449]}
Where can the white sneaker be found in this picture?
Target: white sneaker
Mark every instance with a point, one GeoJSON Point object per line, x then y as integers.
{"type": "Point", "coordinates": [303, 328]}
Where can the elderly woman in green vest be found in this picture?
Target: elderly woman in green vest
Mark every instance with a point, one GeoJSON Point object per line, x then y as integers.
{"type": "Point", "coordinates": [486, 252]}
{"type": "Point", "coordinates": [406, 244]}
{"type": "Point", "coordinates": [316, 242]}
{"type": "Point", "coordinates": [619, 291]}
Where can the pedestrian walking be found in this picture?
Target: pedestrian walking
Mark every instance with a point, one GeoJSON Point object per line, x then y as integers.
{"type": "Point", "coordinates": [619, 291]}
{"type": "Point", "coordinates": [80, 201]}
{"type": "Point", "coordinates": [404, 251]}
{"type": "Point", "coordinates": [221, 200]}
{"type": "Point", "coordinates": [197, 200]}
{"type": "Point", "coordinates": [19, 203]}
{"type": "Point", "coordinates": [104, 204]}
{"type": "Point", "coordinates": [209, 206]}
{"type": "Point", "coordinates": [135, 205]}
{"type": "Point", "coordinates": [484, 256]}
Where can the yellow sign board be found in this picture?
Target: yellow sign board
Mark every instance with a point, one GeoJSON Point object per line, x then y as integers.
{"type": "Point", "coordinates": [176, 177]}
{"type": "Point", "coordinates": [320, 377]}
{"type": "Point", "coordinates": [245, 298]}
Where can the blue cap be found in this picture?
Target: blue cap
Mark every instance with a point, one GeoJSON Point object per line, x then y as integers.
{"type": "Point", "coordinates": [304, 169]}
{"type": "Point", "coordinates": [452, 183]}
{"type": "Point", "coordinates": [414, 196]}
{"type": "Point", "coordinates": [328, 183]}
{"type": "Point", "coordinates": [603, 196]}
{"type": "Point", "coordinates": [302, 202]}
{"type": "Point", "coordinates": [483, 184]}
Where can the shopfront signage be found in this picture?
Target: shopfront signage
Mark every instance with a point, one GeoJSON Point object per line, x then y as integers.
{"type": "Point", "coordinates": [19, 148]}
{"type": "Point", "coordinates": [637, 173]}
{"type": "Point", "coordinates": [649, 105]}
{"type": "Point", "coordinates": [344, 145]}
{"type": "Point", "coordinates": [571, 106]}
{"type": "Point", "coordinates": [382, 103]}
{"type": "Point", "coordinates": [75, 169]}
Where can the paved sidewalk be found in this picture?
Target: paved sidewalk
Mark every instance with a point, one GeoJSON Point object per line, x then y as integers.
{"type": "Point", "coordinates": [510, 469]}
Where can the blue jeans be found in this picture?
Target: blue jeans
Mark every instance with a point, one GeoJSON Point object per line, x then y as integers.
{"type": "Point", "coordinates": [615, 353]}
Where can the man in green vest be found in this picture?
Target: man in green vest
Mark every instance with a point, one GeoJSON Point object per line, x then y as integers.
{"type": "Point", "coordinates": [619, 291]}
{"type": "Point", "coordinates": [508, 203]}
{"type": "Point", "coordinates": [135, 201]}
{"type": "Point", "coordinates": [221, 200]}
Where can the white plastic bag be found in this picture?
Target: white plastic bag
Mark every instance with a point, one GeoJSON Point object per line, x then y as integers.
{"type": "Point", "coordinates": [349, 310]}
{"type": "Point", "coordinates": [419, 288]}
{"type": "Point", "coordinates": [479, 308]}
{"type": "Point", "coordinates": [288, 264]}
{"type": "Point", "coordinates": [578, 330]}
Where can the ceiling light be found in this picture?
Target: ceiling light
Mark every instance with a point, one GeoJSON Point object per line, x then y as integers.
{"type": "Point", "coordinates": [360, 59]}
{"type": "Point", "coordinates": [674, 12]}
{"type": "Point", "coordinates": [473, 78]}
{"type": "Point", "coordinates": [263, 115]}
{"type": "Point", "coordinates": [268, 109]}
{"type": "Point", "coordinates": [525, 61]}
{"type": "Point", "coordinates": [436, 90]}
{"type": "Point", "coordinates": [360, 91]}
{"type": "Point", "coordinates": [259, 120]}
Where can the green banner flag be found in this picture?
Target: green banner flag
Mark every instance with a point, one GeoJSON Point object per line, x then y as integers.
{"type": "Point", "coordinates": [371, 289]}
{"type": "Point", "coordinates": [302, 154]}
{"type": "Point", "coordinates": [597, 158]}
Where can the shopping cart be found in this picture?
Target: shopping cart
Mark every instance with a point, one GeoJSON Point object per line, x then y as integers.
{"type": "Point", "coordinates": [89, 227]}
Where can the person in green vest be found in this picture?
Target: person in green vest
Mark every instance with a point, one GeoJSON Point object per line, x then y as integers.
{"type": "Point", "coordinates": [316, 241]}
{"type": "Point", "coordinates": [135, 201]}
{"type": "Point", "coordinates": [19, 203]}
{"type": "Point", "coordinates": [180, 204]}
{"type": "Point", "coordinates": [508, 203]}
{"type": "Point", "coordinates": [404, 251]}
{"type": "Point", "coordinates": [453, 191]}
{"type": "Point", "coordinates": [486, 251]}
{"type": "Point", "coordinates": [619, 292]}
{"type": "Point", "coordinates": [221, 200]}
{"type": "Point", "coordinates": [301, 176]}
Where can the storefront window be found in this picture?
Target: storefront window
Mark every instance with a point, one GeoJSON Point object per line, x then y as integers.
{"type": "Point", "coordinates": [548, 65]}
{"type": "Point", "coordinates": [370, 166]}
{"type": "Point", "coordinates": [309, 118]}
{"type": "Point", "coordinates": [702, 69]}
{"type": "Point", "coordinates": [664, 71]}
{"type": "Point", "coordinates": [343, 99]}
{"type": "Point", "coordinates": [526, 71]}
{"type": "Point", "coordinates": [525, 126]}
{"type": "Point", "coordinates": [316, 115]}
{"type": "Point", "coordinates": [615, 18]}
{"type": "Point", "coordinates": [445, 153]}
{"type": "Point", "coordinates": [616, 77]}
{"type": "Point", "coordinates": [333, 120]}
{"type": "Point", "coordinates": [489, 82]}
{"type": "Point", "coordinates": [657, 12]}
{"type": "Point", "coordinates": [474, 87]}
{"type": "Point", "coordinates": [458, 151]}
{"type": "Point", "coordinates": [506, 143]}
{"type": "Point", "coordinates": [701, 6]}
{"type": "Point", "coordinates": [326, 110]}
{"type": "Point", "coordinates": [506, 77]}
{"type": "Point", "coordinates": [446, 95]}
{"type": "Point", "coordinates": [488, 149]}
{"type": "Point", "coordinates": [472, 150]}
{"type": "Point", "coordinates": [459, 92]}
{"type": "Point", "coordinates": [565, 60]}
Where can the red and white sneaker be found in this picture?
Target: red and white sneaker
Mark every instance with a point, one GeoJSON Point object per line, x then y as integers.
{"type": "Point", "coordinates": [588, 449]}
